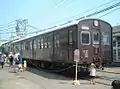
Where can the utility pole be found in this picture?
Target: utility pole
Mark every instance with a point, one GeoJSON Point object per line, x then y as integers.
{"type": "Point", "coordinates": [21, 27]}
{"type": "Point", "coordinates": [25, 23]}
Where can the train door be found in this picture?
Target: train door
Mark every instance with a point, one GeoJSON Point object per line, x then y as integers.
{"type": "Point", "coordinates": [96, 44]}
{"type": "Point", "coordinates": [85, 46]}
{"type": "Point", "coordinates": [70, 49]}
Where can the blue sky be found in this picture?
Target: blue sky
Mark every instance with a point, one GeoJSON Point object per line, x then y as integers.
{"type": "Point", "coordinates": [46, 13]}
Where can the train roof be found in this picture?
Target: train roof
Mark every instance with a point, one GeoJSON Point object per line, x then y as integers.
{"type": "Point", "coordinates": [6, 42]}
{"type": "Point", "coordinates": [49, 30]}
{"type": "Point", "coordinates": [57, 27]}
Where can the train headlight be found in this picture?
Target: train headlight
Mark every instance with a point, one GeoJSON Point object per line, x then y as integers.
{"type": "Point", "coordinates": [96, 23]}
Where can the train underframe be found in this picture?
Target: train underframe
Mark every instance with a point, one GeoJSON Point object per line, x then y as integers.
{"type": "Point", "coordinates": [67, 69]}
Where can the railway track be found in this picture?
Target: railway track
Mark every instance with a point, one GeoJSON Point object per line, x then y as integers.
{"type": "Point", "coordinates": [62, 71]}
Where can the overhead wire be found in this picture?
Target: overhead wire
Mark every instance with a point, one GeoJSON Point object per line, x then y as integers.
{"type": "Point", "coordinates": [4, 25]}
{"type": "Point", "coordinates": [103, 10]}
{"type": "Point", "coordinates": [9, 25]}
{"type": "Point", "coordinates": [6, 28]}
{"type": "Point", "coordinates": [92, 14]}
{"type": "Point", "coordinates": [109, 12]}
{"type": "Point", "coordinates": [100, 11]}
{"type": "Point", "coordinates": [88, 10]}
{"type": "Point", "coordinates": [95, 13]}
{"type": "Point", "coordinates": [60, 3]}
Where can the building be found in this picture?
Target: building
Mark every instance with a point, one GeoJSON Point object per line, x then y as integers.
{"type": "Point", "coordinates": [116, 43]}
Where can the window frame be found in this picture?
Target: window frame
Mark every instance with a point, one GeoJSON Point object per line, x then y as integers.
{"type": "Point", "coordinates": [42, 43]}
{"type": "Point", "coordinates": [31, 45]}
{"type": "Point", "coordinates": [70, 37]}
{"type": "Point", "coordinates": [35, 44]}
{"type": "Point", "coordinates": [96, 42]}
{"type": "Point", "coordinates": [89, 38]}
{"type": "Point", "coordinates": [105, 39]}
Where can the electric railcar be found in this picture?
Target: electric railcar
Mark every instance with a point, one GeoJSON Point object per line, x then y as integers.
{"type": "Point", "coordinates": [55, 47]}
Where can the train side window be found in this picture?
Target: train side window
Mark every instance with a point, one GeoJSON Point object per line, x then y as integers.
{"type": "Point", "coordinates": [38, 43]}
{"type": "Point", "coordinates": [27, 45]}
{"type": "Point", "coordinates": [23, 45]}
{"type": "Point", "coordinates": [19, 47]}
{"type": "Point", "coordinates": [14, 47]}
{"type": "Point", "coordinates": [96, 38]}
{"type": "Point", "coordinates": [45, 42]}
{"type": "Point", "coordinates": [41, 43]}
{"type": "Point", "coordinates": [57, 41]}
{"type": "Point", "coordinates": [85, 37]}
{"type": "Point", "coordinates": [31, 45]}
{"type": "Point", "coordinates": [48, 41]}
{"type": "Point", "coordinates": [35, 45]}
{"type": "Point", "coordinates": [70, 37]}
{"type": "Point", "coordinates": [105, 39]}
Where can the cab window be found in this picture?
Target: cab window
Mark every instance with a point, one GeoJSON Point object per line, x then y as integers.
{"type": "Point", "coordinates": [85, 37]}
{"type": "Point", "coordinates": [96, 38]}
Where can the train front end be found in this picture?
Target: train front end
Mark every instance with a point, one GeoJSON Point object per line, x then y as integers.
{"type": "Point", "coordinates": [94, 42]}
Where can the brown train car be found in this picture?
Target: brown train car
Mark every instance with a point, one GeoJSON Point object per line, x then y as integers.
{"type": "Point", "coordinates": [92, 37]}
{"type": "Point", "coordinates": [55, 47]}
{"type": "Point", "coordinates": [95, 41]}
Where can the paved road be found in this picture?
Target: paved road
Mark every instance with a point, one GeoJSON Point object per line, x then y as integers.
{"type": "Point", "coordinates": [109, 76]}
{"type": "Point", "coordinates": [41, 80]}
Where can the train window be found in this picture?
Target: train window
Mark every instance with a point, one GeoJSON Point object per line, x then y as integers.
{"type": "Point", "coordinates": [105, 39]}
{"type": "Point", "coordinates": [85, 37]}
{"type": "Point", "coordinates": [35, 45]}
{"type": "Point", "coordinates": [57, 41]}
{"type": "Point", "coordinates": [96, 37]}
{"type": "Point", "coordinates": [38, 43]}
{"type": "Point", "coordinates": [41, 43]}
{"type": "Point", "coordinates": [14, 47]}
{"type": "Point", "coordinates": [27, 45]}
{"type": "Point", "coordinates": [23, 46]}
{"type": "Point", "coordinates": [19, 48]}
{"type": "Point", "coordinates": [31, 45]}
{"type": "Point", "coordinates": [70, 37]}
{"type": "Point", "coordinates": [45, 42]}
{"type": "Point", "coordinates": [50, 41]}
{"type": "Point", "coordinates": [48, 44]}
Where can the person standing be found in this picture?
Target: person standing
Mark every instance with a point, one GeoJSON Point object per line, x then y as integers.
{"type": "Point", "coordinates": [1, 60]}
{"type": "Point", "coordinates": [20, 62]}
{"type": "Point", "coordinates": [11, 57]}
{"type": "Point", "coordinates": [92, 73]}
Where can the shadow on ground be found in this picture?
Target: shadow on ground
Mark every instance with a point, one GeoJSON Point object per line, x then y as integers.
{"type": "Point", "coordinates": [57, 76]}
